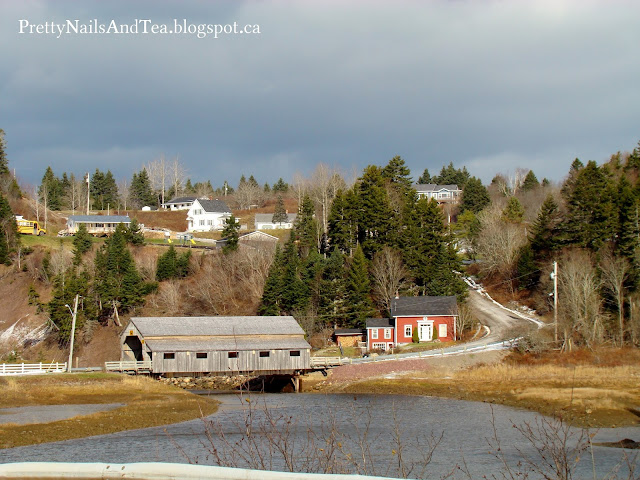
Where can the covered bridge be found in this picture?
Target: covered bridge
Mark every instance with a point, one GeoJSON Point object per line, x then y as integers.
{"type": "Point", "coordinates": [217, 345]}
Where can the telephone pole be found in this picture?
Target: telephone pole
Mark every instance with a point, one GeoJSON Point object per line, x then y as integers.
{"type": "Point", "coordinates": [554, 275]}
{"type": "Point", "coordinates": [73, 333]}
{"type": "Point", "coordinates": [88, 185]}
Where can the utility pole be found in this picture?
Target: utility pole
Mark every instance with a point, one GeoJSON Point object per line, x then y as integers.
{"type": "Point", "coordinates": [554, 275]}
{"type": "Point", "coordinates": [73, 333]}
{"type": "Point", "coordinates": [87, 193]}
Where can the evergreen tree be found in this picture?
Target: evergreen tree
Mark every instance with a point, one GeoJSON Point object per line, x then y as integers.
{"type": "Point", "coordinates": [166, 266]}
{"type": "Point", "coordinates": [51, 190]}
{"type": "Point", "coordinates": [242, 181]}
{"type": "Point", "coordinates": [188, 187]}
{"type": "Point", "coordinates": [591, 217]}
{"type": "Point", "coordinates": [266, 188]}
{"type": "Point", "coordinates": [475, 196]}
{"type": "Point", "coordinates": [469, 229]}
{"type": "Point", "coordinates": [280, 186]}
{"type": "Point", "coordinates": [140, 192]}
{"type": "Point", "coordinates": [9, 238]}
{"type": "Point", "coordinates": [4, 162]}
{"type": "Point", "coordinates": [397, 173]}
{"type": "Point", "coordinates": [295, 293]}
{"type": "Point", "coordinates": [273, 286]}
{"type": "Point", "coordinates": [528, 272]}
{"type": "Point", "coordinates": [134, 233]}
{"type": "Point", "coordinates": [343, 225]}
{"type": "Point", "coordinates": [545, 231]}
{"type": "Point", "coordinates": [530, 182]}
{"type": "Point", "coordinates": [425, 178]}
{"type": "Point", "coordinates": [569, 183]}
{"type": "Point", "coordinates": [117, 280]}
{"type": "Point", "coordinates": [305, 231]}
{"type": "Point", "coordinates": [333, 299]}
{"type": "Point", "coordinates": [230, 232]}
{"type": "Point", "coordinates": [66, 286]}
{"type": "Point", "coordinates": [81, 243]}
{"type": "Point", "coordinates": [449, 175]}
{"type": "Point", "coordinates": [358, 288]}
{"type": "Point", "coordinates": [545, 182]}
{"type": "Point", "coordinates": [280, 214]}
{"type": "Point", "coordinates": [253, 182]}
{"type": "Point", "coordinates": [374, 215]}
{"type": "Point", "coordinates": [513, 212]}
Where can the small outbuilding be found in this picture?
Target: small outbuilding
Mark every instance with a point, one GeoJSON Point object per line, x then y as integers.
{"type": "Point", "coordinates": [217, 345]}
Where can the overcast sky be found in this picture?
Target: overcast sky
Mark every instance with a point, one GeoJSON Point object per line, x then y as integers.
{"type": "Point", "coordinates": [493, 85]}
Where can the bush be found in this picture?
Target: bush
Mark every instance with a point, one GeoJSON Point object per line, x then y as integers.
{"type": "Point", "coordinates": [414, 336]}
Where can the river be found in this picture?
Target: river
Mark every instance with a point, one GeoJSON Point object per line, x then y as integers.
{"type": "Point", "coordinates": [360, 434]}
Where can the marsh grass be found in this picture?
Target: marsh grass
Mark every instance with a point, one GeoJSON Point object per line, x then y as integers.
{"type": "Point", "coordinates": [146, 402]}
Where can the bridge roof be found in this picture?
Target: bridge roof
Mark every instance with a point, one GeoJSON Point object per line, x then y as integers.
{"type": "Point", "coordinates": [227, 344]}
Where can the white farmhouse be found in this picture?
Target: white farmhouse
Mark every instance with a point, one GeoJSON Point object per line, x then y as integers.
{"type": "Point", "coordinates": [206, 215]}
{"type": "Point", "coordinates": [440, 193]}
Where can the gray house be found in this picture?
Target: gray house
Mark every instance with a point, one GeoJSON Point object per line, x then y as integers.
{"type": "Point", "coordinates": [217, 345]}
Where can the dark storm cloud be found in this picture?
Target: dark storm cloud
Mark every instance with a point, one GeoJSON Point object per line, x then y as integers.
{"type": "Point", "coordinates": [493, 85]}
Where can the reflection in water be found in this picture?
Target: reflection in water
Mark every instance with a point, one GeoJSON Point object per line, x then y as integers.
{"type": "Point", "coordinates": [375, 429]}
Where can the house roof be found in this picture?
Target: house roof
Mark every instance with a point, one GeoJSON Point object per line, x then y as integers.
{"type": "Point", "coordinates": [275, 342]}
{"type": "Point", "coordinates": [380, 322]}
{"type": "Point", "coordinates": [268, 217]}
{"type": "Point", "coordinates": [407, 306]}
{"type": "Point", "coordinates": [432, 187]}
{"type": "Point", "coordinates": [258, 234]}
{"type": "Point", "coordinates": [181, 200]}
{"type": "Point", "coordinates": [216, 326]}
{"type": "Point", "coordinates": [214, 206]}
{"type": "Point", "coordinates": [100, 218]}
{"type": "Point", "coordinates": [349, 331]}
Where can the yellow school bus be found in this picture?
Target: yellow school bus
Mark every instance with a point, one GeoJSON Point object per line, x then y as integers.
{"type": "Point", "coordinates": [29, 227]}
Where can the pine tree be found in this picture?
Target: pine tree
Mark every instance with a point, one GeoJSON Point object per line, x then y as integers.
{"type": "Point", "coordinates": [134, 233]}
{"type": "Point", "coordinates": [266, 188]}
{"type": "Point", "coordinates": [358, 288]}
{"type": "Point", "coordinates": [333, 296]}
{"type": "Point", "coordinates": [295, 293]}
{"type": "Point", "coordinates": [305, 231]}
{"type": "Point", "coordinates": [230, 233]}
{"type": "Point", "coordinates": [530, 182]}
{"type": "Point", "coordinates": [425, 178]}
{"type": "Point", "coordinates": [374, 214]}
{"type": "Point", "coordinates": [513, 212]}
{"type": "Point", "coordinates": [569, 183]}
{"type": "Point", "coordinates": [280, 186]}
{"type": "Point", "coordinates": [449, 175]}
{"type": "Point", "coordinates": [397, 173]}
{"type": "Point", "coordinates": [545, 231]}
{"type": "Point", "coordinates": [528, 272]}
{"type": "Point", "coordinates": [51, 190]}
{"type": "Point", "coordinates": [343, 225]}
{"type": "Point", "coordinates": [81, 243]}
{"type": "Point", "coordinates": [475, 196]}
{"type": "Point", "coordinates": [117, 279]}
{"type": "Point", "coordinates": [280, 214]}
{"type": "Point", "coordinates": [66, 286]}
{"type": "Point", "coordinates": [273, 286]}
{"type": "Point", "coordinates": [4, 162]}
{"type": "Point", "coordinates": [141, 193]}
{"type": "Point", "coordinates": [591, 217]}
{"type": "Point", "coordinates": [9, 238]}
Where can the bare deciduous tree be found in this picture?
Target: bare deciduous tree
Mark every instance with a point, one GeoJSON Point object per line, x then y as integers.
{"type": "Point", "coordinates": [580, 311]}
{"type": "Point", "coordinates": [465, 319]}
{"type": "Point", "coordinates": [124, 188]}
{"type": "Point", "coordinates": [248, 195]}
{"type": "Point", "coordinates": [389, 275]}
{"type": "Point", "coordinates": [323, 187]}
{"type": "Point", "coordinates": [498, 242]}
{"type": "Point", "coordinates": [177, 175]}
{"type": "Point", "coordinates": [158, 172]}
{"type": "Point", "coordinates": [615, 270]}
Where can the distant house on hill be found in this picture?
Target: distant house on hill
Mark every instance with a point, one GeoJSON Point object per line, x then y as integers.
{"type": "Point", "coordinates": [440, 193]}
{"type": "Point", "coordinates": [97, 224]}
{"type": "Point", "coordinates": [179, 203]}
{"type": "Point", "coordinates": [221, 345]}
{"type": "Point", "coordinates": [207, 215]}
{"type": "Point", "coordinates": [264, 221]}
{"type": "Point", "coordinates": [433, 318]}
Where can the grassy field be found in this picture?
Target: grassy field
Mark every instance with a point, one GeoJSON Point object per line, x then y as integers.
{"type": "Point", "coordinates": [599, 391]}
{"type": "Point", "coordinates": [146, 402]}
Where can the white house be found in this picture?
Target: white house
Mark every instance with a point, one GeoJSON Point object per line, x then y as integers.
{"type": "Point", "coordinates": [264, 221]}
{"type": "Point", "coordinates": [440, 193]}
{"type": "Point", "coordinates": [97, 224]}
{"type": "Point", "coordinates": [179, 203]}
{"type": "Point", "coordinates": [206, 215]}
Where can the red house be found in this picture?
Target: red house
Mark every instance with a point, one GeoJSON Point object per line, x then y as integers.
{"type": "Point", "coordinates": [434, 318]}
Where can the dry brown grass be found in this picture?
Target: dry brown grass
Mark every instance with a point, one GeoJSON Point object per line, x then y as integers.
{"type": "Point", "coordinates": [146, 403]}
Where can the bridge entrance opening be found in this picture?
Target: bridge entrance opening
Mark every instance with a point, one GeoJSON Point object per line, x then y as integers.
{"type": "Point", "coordinates": [135, 348]}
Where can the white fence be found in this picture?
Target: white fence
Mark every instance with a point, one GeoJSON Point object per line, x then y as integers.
{"type": "Point", "coordinates": [32, 368]}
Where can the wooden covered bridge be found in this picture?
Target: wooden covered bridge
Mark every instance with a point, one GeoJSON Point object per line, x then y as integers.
{"type": "Point", "coordinates": [193, 346]}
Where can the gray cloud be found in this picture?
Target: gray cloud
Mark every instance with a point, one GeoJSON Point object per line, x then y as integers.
{"type": "Point", "coordinates": [493, 85]}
